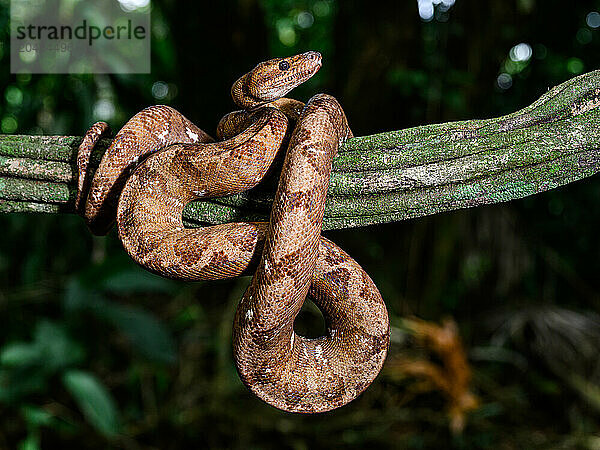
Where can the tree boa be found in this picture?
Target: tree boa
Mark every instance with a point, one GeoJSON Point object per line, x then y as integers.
{"type": "Point", "coordinates": [160, 161]}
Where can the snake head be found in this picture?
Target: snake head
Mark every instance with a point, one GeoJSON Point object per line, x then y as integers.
{"type": "Point", "coordinates": [273, 79]}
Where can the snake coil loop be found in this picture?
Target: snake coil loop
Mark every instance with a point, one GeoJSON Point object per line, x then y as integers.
{"type": "Point", "coordinates": [159, 161]}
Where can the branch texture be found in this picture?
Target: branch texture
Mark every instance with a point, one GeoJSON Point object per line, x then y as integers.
{"type": "Point", "coordinates": [380, 178]}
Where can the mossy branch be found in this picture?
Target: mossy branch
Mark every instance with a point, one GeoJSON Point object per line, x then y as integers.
{"type": "Point", "coordinates": [380, 178]}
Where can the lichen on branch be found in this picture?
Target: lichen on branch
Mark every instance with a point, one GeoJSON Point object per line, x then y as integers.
{"type": "Point", "coordinates": [379, 178]}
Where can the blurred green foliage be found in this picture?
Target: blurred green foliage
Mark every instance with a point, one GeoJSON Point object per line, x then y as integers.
{"type": "Point", "coordinates": [97, 353]}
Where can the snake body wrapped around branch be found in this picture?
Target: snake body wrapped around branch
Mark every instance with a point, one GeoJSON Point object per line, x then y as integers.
{"type": "Point", "coordinates": [159, 162]}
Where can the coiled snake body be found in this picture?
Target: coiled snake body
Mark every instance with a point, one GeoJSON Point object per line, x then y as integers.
{"type": "Point", "coordinates": [287, 255]}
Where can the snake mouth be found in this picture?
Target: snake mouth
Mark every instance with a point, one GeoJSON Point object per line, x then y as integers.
{"type": "Point", "coordinates": [312, 56]}
{"type": "Point", "coordinates": [314, 60]}
{"type": "Point", "coordinates": [300, 77]}
{"type": "Point", "coordinates": [281, 86]}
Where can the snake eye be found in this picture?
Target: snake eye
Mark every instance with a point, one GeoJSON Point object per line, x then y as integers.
{"type": "Point", "coordinates": [284, 65]}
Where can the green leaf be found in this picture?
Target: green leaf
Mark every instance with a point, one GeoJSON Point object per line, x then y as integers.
{"type": "Point", "coordinates": [27, 367]}
{"type": "Point", "coordinates": [51, 348]}
{"type": "Point", "coordinates": [57, 347]}
{"type": "Point", "coordinates": [94, 400]}
{"type": "Point", "coordinates": [31, 442]}
{"type": "Point", "coordinates": [145, 332]}
{"type": "Point", "coordinates": [36, 416]}
{"type": "Point", "coordinates": [20, 354]}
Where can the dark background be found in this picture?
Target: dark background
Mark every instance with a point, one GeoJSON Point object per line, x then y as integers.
{"type": "Point", "coordinates": [95, 353]}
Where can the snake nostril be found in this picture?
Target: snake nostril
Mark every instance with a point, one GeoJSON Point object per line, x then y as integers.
{"type": "Point", "coordinates": [314, 56]}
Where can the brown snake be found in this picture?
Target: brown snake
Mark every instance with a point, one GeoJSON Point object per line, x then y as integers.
{"type": "Point", "coordinates": [288, 256]}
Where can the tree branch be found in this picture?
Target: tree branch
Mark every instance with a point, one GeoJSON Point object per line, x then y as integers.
{"type": "Point", "coordinates": [380, 178]}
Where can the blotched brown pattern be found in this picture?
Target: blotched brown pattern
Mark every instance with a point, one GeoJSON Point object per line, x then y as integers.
{"type": "Point", "coordinates": [159, 162]}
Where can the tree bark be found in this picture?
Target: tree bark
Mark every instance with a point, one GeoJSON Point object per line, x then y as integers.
{"type": "Point", "coordinates": [376, 179]}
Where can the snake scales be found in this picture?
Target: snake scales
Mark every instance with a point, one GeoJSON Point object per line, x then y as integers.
{"type": "Point", "coordinates": [159, 161]}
